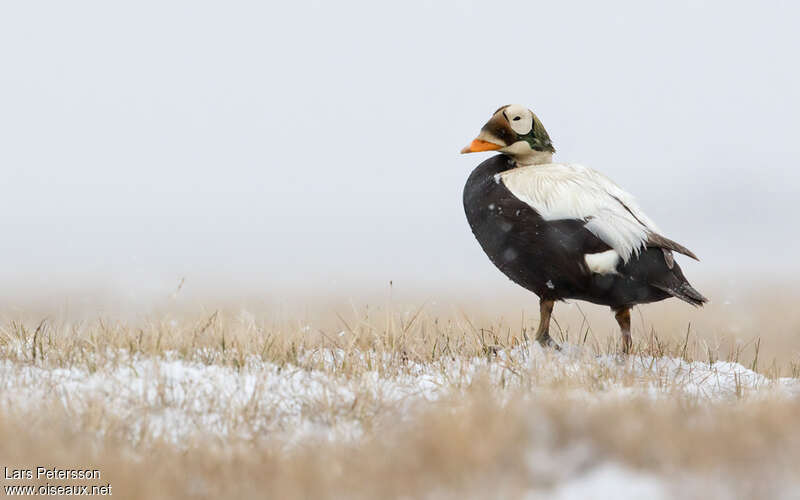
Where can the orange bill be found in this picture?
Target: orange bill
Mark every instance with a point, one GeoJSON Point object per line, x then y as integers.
{"type": "Point", "coordinates": [478, 145]}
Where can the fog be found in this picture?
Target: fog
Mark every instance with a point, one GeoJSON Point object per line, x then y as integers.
{"type": "Point", "coordinates": [314, 145]}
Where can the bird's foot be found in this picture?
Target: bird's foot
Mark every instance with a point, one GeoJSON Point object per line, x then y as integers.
{"type": "Point", "coordinates": [547, 341]}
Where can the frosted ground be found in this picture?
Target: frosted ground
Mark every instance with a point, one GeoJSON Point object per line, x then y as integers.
{"type": "Point", "coordinates": [175, 400]}
{"type": "Point", "coordinates": [369, 387]}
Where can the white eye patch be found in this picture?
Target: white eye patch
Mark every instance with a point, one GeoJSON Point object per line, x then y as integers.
{"type": "Point", "coordinates": [520, 118]}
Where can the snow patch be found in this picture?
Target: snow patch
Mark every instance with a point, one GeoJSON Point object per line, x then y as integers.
{"type": "Point", "coordinates": [608, 481]}
{"type": "Point", "coordinates": [174, 399]}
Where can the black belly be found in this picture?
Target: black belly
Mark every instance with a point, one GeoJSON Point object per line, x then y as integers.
{"type": "Point", "coordinates": [547, 257]}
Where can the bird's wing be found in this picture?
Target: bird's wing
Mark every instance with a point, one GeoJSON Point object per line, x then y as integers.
{"type": "Point", "coordinates": [559, 191]}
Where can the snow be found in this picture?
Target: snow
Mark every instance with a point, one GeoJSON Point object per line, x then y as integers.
{"type": "Point", "coordinates": [608, 481]}
{"type": "Point", "coordinates": [172, 398]}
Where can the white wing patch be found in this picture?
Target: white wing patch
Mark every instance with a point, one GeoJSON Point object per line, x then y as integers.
{"type": "Point", "coordinates": [602, 262]}
{"type": "Point", "coordinates": [561, 191]}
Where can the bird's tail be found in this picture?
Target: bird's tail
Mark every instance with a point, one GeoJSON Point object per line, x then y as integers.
{"type": "Point", "coordinates": [685, 292]}
{"type": "Point", "coordinates": [676, 284]}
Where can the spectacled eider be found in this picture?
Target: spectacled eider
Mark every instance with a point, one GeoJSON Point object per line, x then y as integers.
{"type": "Point", "coordinates": [564, 231]}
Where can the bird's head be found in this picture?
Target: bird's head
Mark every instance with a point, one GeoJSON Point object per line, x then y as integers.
{"type": "Point", "coordinates": [517, 132]}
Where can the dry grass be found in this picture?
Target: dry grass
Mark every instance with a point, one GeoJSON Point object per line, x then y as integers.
{"type": "Point", "coordinates": [758, 329]}
{"type": "Point", "coordinates": [471, 447]}
{"type": "Point", "coordinates": [496, 420]}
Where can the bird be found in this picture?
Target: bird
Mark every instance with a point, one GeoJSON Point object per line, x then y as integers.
{"type": "Point", "coordinates": [565, 231]}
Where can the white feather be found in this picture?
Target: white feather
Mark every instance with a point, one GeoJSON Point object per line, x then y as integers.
{"type": "Point", "coordinates": [602, 262]}
{"type": "Point", "coordinates": [519, 117]}
{"type": "Point", "coordinates": [570, 191]}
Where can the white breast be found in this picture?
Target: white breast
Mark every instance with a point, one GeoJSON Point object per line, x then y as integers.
{"type": "Point", "coordinates": [562, 191]}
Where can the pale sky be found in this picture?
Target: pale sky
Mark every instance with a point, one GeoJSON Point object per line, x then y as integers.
{"type": "Point", "coordinates": [315, 145]}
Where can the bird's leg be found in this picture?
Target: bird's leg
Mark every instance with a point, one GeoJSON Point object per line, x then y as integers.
{"type": "Point", "coordinates": [543, 332]}
{"type": "Point", "coordinates": [623, 316]}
